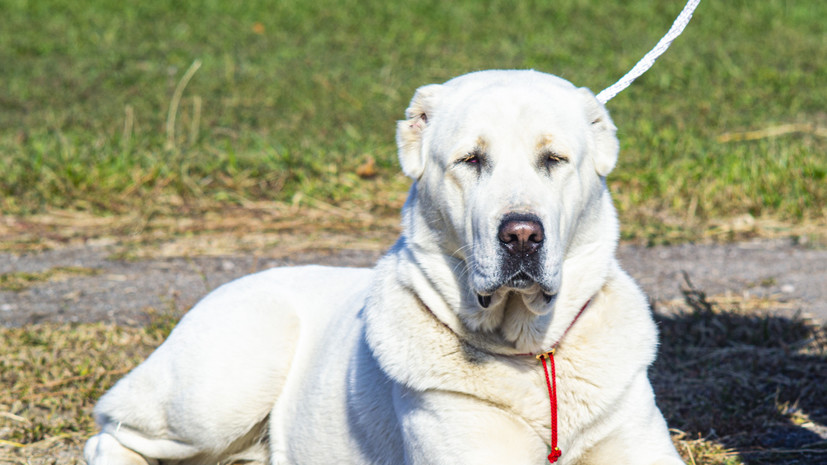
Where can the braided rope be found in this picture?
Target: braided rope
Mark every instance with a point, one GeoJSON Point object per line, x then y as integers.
{"type": "Point", "coordinates": [551, 383]}
{"type": "Point", "coordinates": [649, 59]}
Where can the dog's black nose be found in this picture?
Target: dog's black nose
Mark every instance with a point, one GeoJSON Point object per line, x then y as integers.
{"type": "Point", "coordinates": [521, 234]}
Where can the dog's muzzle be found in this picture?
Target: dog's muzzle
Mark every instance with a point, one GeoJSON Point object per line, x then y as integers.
{"type": "Point", "coordinates": [521, 238]}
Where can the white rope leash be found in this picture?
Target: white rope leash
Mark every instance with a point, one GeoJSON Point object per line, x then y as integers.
{"type": "Point", "coordinates": [649, 59]}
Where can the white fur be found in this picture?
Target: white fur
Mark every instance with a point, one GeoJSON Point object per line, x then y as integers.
{"type": "Point", "coordinates": [402, 364]}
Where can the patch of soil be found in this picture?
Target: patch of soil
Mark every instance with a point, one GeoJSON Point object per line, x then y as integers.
{"type": "Point", "coordinates": [791, 278]}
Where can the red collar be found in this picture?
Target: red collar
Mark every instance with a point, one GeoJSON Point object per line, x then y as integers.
{"type": "Point", "coordinates": [556, 344]}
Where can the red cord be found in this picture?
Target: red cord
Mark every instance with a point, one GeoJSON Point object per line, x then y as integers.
{"type": "Point", "coordinates": [551, 382]}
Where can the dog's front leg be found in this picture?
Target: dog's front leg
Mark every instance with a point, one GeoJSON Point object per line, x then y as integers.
{"type": "Point", "coordinates": [638, 434]}
{"type": "Point", "coordinates": [440, 427]}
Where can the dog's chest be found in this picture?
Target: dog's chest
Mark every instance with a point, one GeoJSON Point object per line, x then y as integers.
{"type": "Point", "coordinates": [518, 386]}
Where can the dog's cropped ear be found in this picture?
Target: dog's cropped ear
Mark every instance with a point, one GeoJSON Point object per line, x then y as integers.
{"type": "Point", "coordinates": [409, 131]}
{"type": "Point", "coordinates": [604, 132]}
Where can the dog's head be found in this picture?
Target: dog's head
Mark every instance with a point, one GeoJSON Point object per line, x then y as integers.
{"type": "Point", "coordinates": [509, 171]}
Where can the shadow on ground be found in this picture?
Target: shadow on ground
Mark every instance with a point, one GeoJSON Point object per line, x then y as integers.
{"type": "Point", "coordinates": [754, 383]}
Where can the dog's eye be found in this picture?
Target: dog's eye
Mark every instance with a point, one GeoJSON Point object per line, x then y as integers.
{"type": "Point", "coordinates": [473, 158]}
{"type": "Point", "coordinates": [553, 159]}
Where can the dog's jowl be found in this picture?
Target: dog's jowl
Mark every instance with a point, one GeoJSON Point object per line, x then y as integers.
{"type": "Point", "coordinates": [507, 251]}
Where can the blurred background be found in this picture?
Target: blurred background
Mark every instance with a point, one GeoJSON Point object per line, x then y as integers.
{"type": "Point", "coordinates": [158, 109]}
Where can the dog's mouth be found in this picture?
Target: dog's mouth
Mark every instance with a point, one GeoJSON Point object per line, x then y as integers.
{"type": "Point", "coordinates": [520, 282]}
{"type": "Point", "coordinates": [485, 300]}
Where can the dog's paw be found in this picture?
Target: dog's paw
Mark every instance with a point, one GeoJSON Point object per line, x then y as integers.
{"type": "Point", "coordinates": [103, 449]}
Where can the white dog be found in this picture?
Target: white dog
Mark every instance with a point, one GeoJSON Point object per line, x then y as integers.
{"type": "Point", "coordinates": [507, 251]}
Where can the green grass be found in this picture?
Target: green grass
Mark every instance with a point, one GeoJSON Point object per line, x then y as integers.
{"type": "Point", "coordinates": [292, 96]}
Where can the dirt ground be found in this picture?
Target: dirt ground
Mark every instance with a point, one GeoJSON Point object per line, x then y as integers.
{"type": "Point", "coordinates": [96, 285]}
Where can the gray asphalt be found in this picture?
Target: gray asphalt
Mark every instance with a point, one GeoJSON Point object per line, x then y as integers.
{"type": "Point", "coordinates": [127, 292]}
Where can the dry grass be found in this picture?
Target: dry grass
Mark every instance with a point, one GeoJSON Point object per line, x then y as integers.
{"type": "Point", "coordinates": [171, 230]}
{"type": "Point", "coordinates": [306, 224]}
{"type": "Point", "coordinates": [19, 280]}
{"type": "Point", "coordinates": [738, 385]}
{"type": "Point", "coordinates": [52, 375]}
